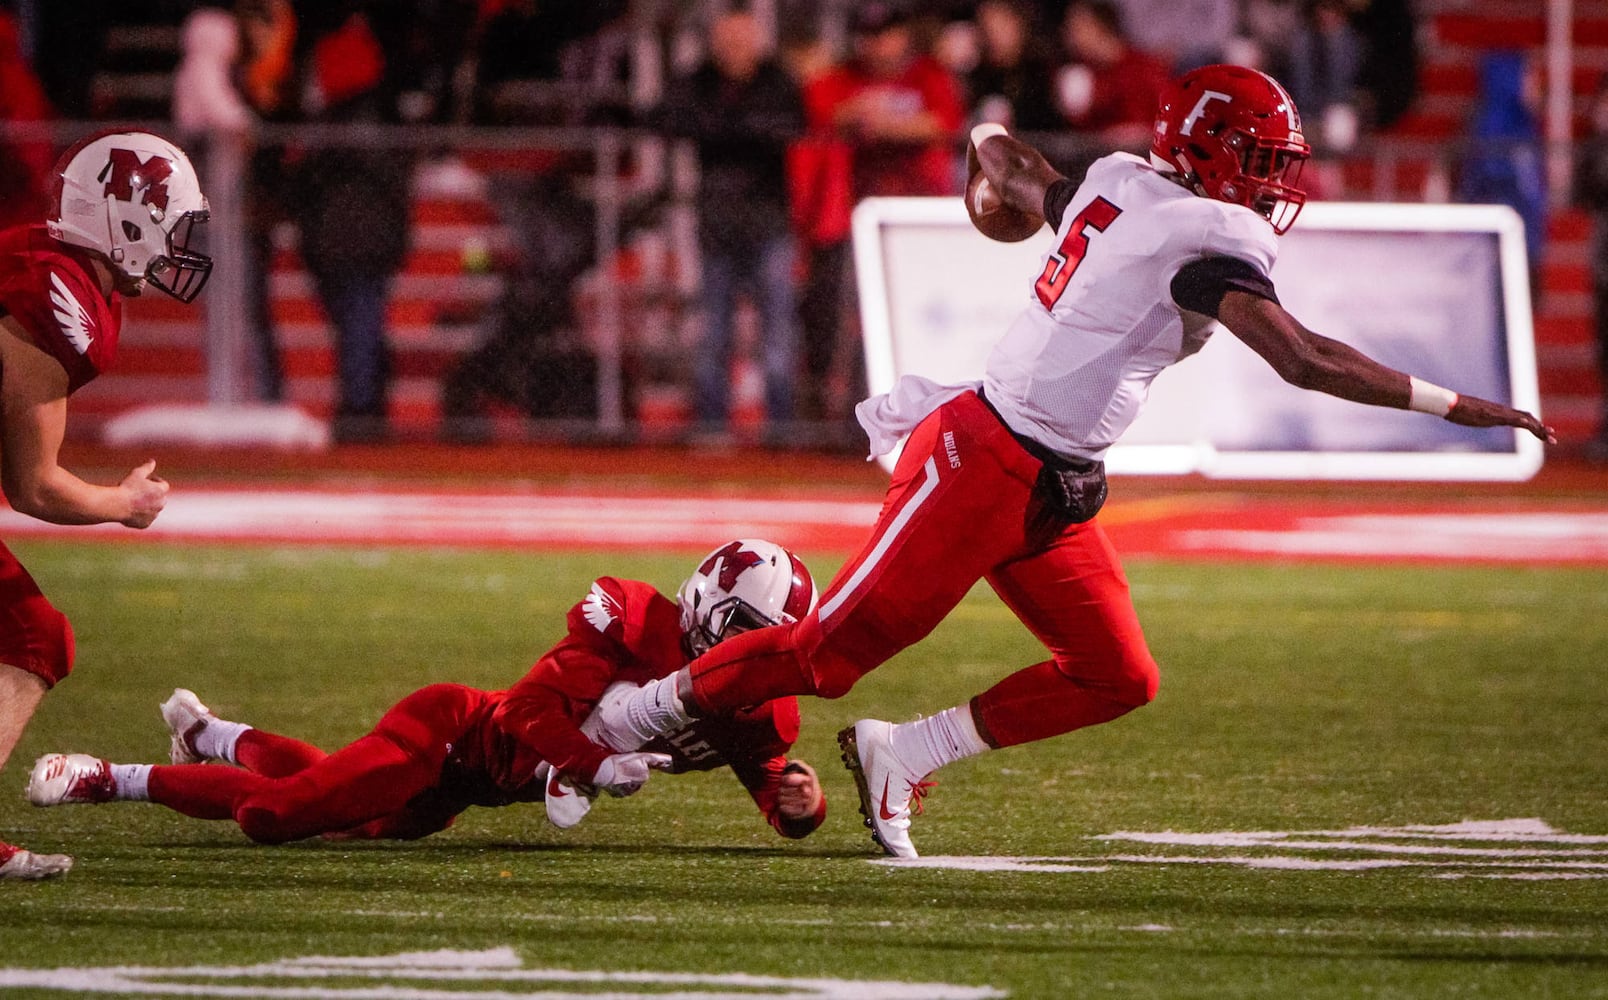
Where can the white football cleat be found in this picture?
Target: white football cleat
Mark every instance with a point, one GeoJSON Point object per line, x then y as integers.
{"type": "Point", "coordinates": [69, 778]}
{"type": "Point", "coordinates": [887, 787]}
{"type": "Point", "coordinates": [566, 805]}
{"type": "Point", "coordinates": [185, 717]}
{"type": "Point", "coordinates": [30, 867]}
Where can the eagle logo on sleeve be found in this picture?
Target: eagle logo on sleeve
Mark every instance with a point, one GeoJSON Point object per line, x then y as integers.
{"type": "Point", "coordinates": [71, 315]}
{"type": "Point", "coordinates": [601, 608]}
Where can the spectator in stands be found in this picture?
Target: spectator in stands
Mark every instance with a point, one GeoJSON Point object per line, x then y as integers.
{"type": "Point", "coordinates": [25, 164]}
{"type": "Point", "coordinates": [1591, 192]}
{"type": "Point", "coordinates": [353, 208]}
{"type": "Point", "coordinates": [1389, 72]}
{"type": "Point", "coordinates": [1012, 82]}
{"type": "Point", "coordinates": [742, 110]}
{"type": "Point", "coordinates": [1325, 59]}
{"type": "Point", "coordinates": [1505, 165]}
{"type": "Point", "coordinates": [1183, 34]}
{"type": "Point", "coordinates": [899, 111]}
{"type": "Point", "coordinates": [1110, 87]}
{"type": "Point", "coordinates": [898, 107]}
{"type": "Point", "coordinates": [820, 181]}
{"type": "Point", "coordinates": [69, 50]}
{"type": "Point", "coordinates": [232, 68]}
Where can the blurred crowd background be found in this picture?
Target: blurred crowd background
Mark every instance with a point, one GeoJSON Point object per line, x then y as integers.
{"type": "Point", "coordinates": [478, 218]}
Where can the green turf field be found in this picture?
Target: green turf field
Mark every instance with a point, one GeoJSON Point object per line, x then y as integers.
{"type": "Point", "coordinates": [1294, 699]}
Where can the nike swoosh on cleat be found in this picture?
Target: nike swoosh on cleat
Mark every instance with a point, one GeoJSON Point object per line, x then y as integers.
{"type": "Point", "coordinates": [882, 807]}
{"type": "Point", "coordinates": [554, 789]}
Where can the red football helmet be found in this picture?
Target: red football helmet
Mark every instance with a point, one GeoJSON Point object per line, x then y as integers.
{"type": "Point", "coordinates": [741, 586]}
{"type": "Point", "coordinates": [1234, 135]}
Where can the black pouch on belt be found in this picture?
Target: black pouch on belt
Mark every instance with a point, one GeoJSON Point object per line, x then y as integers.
{"type": "Point", "coordinates": [1073, 490]}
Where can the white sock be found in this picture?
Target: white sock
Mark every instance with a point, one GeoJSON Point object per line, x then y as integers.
{"type": "Point", "coordinates": [217, 739]}
{"type": "Point", "coordinates": [132, 782]}
{"type": "Point", "coordinates": [927, 744]}
{"type": "Point", "coordinates": [656, 710]}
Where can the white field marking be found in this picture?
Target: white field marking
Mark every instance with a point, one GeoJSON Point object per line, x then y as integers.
{"type": "Point", "coordinates": [1539, 851]}
{"type": "Point", "coordinates": [395, 978]}
{"type": "Point", "coordinates": [1525, 876]}
{"type": "Point", "coordinates": [1285, 843]}
{"type": "Point", "coordinates": [985, 863]}
{"type": "Point", "coordinates": [470, 518]}
{"type": "Point", "coordinates": [1526, 537]}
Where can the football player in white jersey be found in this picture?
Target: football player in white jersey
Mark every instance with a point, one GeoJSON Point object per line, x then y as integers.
{"type": "Point", "coordinates": [1002, 480]}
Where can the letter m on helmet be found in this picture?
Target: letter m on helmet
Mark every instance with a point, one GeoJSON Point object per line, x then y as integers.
{"type": "Point", "coordinates": [125, 173]}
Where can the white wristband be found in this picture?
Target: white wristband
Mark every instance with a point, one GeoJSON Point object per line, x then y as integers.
{"type": "Point", "coordinates": [985, 130]}
{"type": "Point", "coordinates": [1427, 397]}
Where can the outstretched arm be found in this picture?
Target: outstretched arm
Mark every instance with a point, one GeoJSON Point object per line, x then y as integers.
{"type": "Point", "coordinates": [1312, 361]}
{"type": "Point", "coordinates": [1018, 172]}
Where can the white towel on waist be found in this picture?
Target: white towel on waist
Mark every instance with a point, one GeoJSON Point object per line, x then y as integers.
{"type": "Point", "coordinates": [892, 415]}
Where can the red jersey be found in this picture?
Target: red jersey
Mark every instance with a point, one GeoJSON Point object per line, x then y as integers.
{"type": "Point", "coordinates": [622, 630]}
{"type": "Point", "coordinates": [885, 168]}
{"type": "Point", "coordinates": [49, 287]}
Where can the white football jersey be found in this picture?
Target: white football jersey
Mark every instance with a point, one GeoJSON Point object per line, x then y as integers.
{"type": "Point", "coordinates": [1074, 368]}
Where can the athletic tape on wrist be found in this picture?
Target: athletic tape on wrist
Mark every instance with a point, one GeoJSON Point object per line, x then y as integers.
{"type": "Point", "coordinates": [1427, 397]}
{"type": "Point", "coordinates": [985, 130]}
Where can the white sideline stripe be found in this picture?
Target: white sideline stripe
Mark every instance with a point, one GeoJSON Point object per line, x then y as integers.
{"type": "Point", "coordinates": [498, 965]}
{"type": "Point", "coordinates": [929, 483]}
{"type": "Point", "coordinates": [1552, 536]}
{"type": "Point", "coordinates": [449, 518]}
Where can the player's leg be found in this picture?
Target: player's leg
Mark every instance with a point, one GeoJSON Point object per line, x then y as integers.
{"type": "Point", "coordinates": [199, 735]}
{"type": "Point", "coordinates": [1074, 597]}
{"type": "Point", "coordinates": [197, 790]}
{"type": "Point", "coordinates": [367, 780]}
{"type": "Point", "coordinates": [36, 651]}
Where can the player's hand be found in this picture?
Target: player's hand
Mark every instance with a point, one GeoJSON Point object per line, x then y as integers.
{"type": "Point", "coordinates": [606, 726]}
{"type": "Point", "coordinates": [147, 495]}
{"type": "Point", "coordinates": [625, 773]}
{"type": "Point", "coordinates": [1471, 411]}
{"type": "Point", "coordinates": [799, 793]}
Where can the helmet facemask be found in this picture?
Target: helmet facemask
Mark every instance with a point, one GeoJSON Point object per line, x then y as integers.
{"type": "Point", "coordinates": [731, 617]}
{"type": "Point", "coordinates": [1269, 177]}
{"type": "Point", "coordinates": [182, 272]}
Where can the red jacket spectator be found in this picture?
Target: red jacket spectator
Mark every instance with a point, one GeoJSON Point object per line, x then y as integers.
{"type": "Point", "coordinates": [1111, 87]}
{"type": "Point", "coordinates": [899, 109]}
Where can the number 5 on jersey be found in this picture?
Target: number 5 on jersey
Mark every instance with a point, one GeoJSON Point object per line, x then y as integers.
{"type": "Point", "coordinates": [1058, 270]}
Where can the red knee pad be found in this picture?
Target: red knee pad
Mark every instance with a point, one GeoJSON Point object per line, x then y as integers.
{"type": "Point", "coordinates": [1138, 683]}
{"type": "Point", "coordinates": [39, 640]}
{"type": "Point", "coordinates": [833, 676]}
{"type": "Point", "coordinates": [264, 824]}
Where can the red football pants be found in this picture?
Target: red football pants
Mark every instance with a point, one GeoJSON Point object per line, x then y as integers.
{"type": "Point", "coordinates": [957, 511]}
{"type": "Point", "coordinates": [287, 790]}
{"type": "Point", "coordinates": [34, 636]}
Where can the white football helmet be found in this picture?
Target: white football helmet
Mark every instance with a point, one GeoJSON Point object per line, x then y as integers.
{"type": "Point", "coordinates": [743, 585]}
{"type": "Point", "coordinates": [135, 199]}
